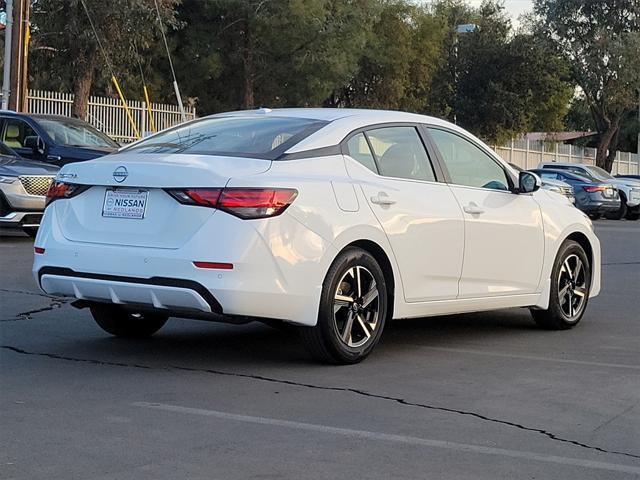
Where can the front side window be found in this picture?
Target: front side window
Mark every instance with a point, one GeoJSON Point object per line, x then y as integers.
{"type": "Point", "coordinates": [15, 132]}
{"type": "Point", "coordinates": [467, 164]}
{"type": "Point", "coordinates": [359, 150]}
{"type": "Point", "coordinates": [246, 136]}
{"type": "Point", "coordinates": [400, 153]}
{"type": "Point", "coordinates": [75, 134]}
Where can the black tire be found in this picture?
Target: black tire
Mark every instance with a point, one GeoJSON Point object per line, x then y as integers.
{"type": "Point", "coordinates": [633, 214]}
{"type": "Point", "coordinates": [621, 212]}
{"type": "Point", "coordinates": [594, 216]}
{"type": "Point", "coordinates": [31, 231]}
{"type": "Point", "coordinates": [556, 316]}
{"type": "Point", "coordinates": [325, 341]}
{"type": "Point", "coordinates": [117, 321]}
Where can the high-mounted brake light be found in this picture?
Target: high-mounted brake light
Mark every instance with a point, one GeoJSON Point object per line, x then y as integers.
{"type": "Point", "coordinates": [245, 203]}
{"type": "Point", "coordinates": [59, 190]}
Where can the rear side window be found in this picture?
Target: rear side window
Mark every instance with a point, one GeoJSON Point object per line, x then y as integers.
{"type": "Point", "coordinates": [359, 150]}
{"type": "Point", "coordinates": [247, 136]}
{"type": "Point", "coordinates": [400, 153]}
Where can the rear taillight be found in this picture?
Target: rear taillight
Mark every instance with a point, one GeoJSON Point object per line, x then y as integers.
{"type": "Point", "coordinates": [594, 188]}
{"type": "Point", "coordinates": [245, 203]}
{"type": "Point", "coordinates": [59, 190]}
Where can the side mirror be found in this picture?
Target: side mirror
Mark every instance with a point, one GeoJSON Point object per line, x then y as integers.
{"type": "Point", "coordinates": [528, 182]}
{"type": "Point", "coordinates": [36, 144]}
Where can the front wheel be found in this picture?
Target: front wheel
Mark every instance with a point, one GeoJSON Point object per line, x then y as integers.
{"type": "Point", "coordinates": [570, 282]}
{"type": "Point", "coordinates": [117, 321]}
{"type": "Point", "coordinates": [353, 310]}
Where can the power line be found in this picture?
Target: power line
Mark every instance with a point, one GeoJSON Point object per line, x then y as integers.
{"type": "Point", "coordinates": [173, 72]}
{"type": "Point", "coordinates": [95, 33]}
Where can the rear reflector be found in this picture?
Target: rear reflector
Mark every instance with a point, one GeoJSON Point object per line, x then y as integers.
{"type": "Point", "coordinates": [38, 250]}
{"type": "Point", "coordinates": [245, 203]}
{"type": "Point", "coordinates": [214, 265]}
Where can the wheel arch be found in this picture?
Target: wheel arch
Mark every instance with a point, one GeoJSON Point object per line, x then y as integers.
{"type": "Point", "coordinates": [584, 242]}
{"type": "Point", "coordinates": [377, 252]}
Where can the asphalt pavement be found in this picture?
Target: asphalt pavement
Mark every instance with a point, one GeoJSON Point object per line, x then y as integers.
{"type": "Point", "coordinates": [478, 396]}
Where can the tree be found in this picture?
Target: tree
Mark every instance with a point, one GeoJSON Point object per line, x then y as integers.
{"type": "Point", "coordinates": [252, 53]}
{"type": "Point", "coordinates": [601, 41]}
{"type": "Point", "coordinates": [492, 82]}
{"type": "Point", "coordinates": [66, 51]}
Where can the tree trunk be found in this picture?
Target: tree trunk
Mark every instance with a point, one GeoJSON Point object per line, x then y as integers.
{"type": "Point", "coordinates": [613, 147]}
{"type": "Point", "coordinates": [248, 100]}
{"type": "Point", "coordinates": [84, 71]}
{"type": "Point", "coordinates": [604, 144]}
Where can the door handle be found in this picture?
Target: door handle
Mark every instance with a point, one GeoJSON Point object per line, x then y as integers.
{"type": "Point", "coordinates": [473, 209]}
{"type": "Point", "coordinates": [382, 199]}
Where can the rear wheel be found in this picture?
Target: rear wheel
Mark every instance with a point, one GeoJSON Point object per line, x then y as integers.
{"type": "Point", "coordinates": [570, 281]}
{"type": "Point", "coordinates": [117, 321]}
{"type": "Point", "coordinates": [353, 310]}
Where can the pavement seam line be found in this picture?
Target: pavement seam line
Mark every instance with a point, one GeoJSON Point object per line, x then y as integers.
{"type": "Point", "coordinates": [401, 401]}
{"type": "Point", "coordinates": [391, 437]}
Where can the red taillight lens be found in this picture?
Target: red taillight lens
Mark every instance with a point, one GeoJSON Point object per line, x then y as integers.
{"type": "Point", "coordinates": [594, 188]}
{"type": "Point", "coordinates": [38, 250]}
{"type": "Point", "coordinates": [56, 190]}
{"type": "Point", "coordinates": [63, 190]}
{"type": "Point", "coordinates": [245, 203]}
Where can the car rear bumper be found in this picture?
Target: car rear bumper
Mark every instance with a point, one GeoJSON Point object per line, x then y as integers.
{"type": "Point", "coordinates": [268, 279]}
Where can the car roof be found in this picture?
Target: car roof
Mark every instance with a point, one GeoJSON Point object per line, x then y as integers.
{"type": "Point", "coordinates": [564, 164]}
{"type": "Point", "coordinates": [569, 174]}
{"type": "Point", "coordinates": [342, 121]}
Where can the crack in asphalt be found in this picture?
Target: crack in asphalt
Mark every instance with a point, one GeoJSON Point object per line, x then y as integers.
{"type": "Point", "coordinates": [53, 304]}
{"type": "Point", "coordinates": [399, 400]}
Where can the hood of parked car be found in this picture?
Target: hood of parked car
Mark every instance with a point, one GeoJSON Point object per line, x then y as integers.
{"type": "Point", "coordinates": [555, 183]}
{"type": "Point", "coordinates": [13, 167]}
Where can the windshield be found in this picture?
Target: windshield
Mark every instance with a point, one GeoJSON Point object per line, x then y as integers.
{"type": "Point", "coordinates": [250, 136]}
{"type": "Point", "coordinates": [75, 134]}
{"type": "Point", "coordinates": [599, 173]}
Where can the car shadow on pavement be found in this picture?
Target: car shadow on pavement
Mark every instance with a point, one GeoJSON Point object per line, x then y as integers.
{"type": "Point", "coordinates": [191, 343]}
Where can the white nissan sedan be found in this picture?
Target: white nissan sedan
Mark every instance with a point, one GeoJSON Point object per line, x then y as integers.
{"type": "Point", "coordinates": [333, 220]}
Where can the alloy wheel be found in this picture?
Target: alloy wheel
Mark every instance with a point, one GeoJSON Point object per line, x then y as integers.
{"type": "Point", "coordinates": [356, 306]}
{"type": "Point", "coordinates": [572, 287]}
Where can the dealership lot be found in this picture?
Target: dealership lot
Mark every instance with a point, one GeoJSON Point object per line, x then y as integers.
{"type": "Point", "coordinates": [479, 396]}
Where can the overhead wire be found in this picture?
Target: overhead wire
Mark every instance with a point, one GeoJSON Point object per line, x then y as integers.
{"type": "Point", "coordinates": [113, 75]}
{"type": "Point", "coordinates": [173, 72]}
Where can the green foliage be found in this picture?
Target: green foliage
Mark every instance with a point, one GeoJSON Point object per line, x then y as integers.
{"type": "Point", "coordinates": [393, 54]}
{"type": "Point", "coordinates": [601, 40]}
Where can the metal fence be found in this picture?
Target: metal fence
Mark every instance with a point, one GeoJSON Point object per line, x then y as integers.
{"type": "Point", "coordinates": [108, 115]}
{"type": "Point", "coordinates": [529, 153]}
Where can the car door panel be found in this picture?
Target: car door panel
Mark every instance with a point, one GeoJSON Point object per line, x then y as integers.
{"type": "Point", "coordinates": [423, 223]}
{"type": "Point", "coordinates": [504, 235]}
{"type": "Point", "coordinates": [504, 243]}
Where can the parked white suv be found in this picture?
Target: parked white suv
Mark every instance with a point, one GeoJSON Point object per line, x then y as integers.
{"type": "Point", "coordinates": [334, 220]}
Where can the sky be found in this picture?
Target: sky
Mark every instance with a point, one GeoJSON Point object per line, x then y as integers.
{"type": "Point", "coordinates": [514, 7]}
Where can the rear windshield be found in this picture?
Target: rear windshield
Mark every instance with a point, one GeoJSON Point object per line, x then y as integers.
{"type": "Point", "coordinates": [256, 137]}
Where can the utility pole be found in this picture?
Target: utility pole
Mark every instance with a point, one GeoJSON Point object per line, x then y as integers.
{"type": "Point", "coordinates": [6, 74]}
{"type": "Point", "coordinates": [19, 49]}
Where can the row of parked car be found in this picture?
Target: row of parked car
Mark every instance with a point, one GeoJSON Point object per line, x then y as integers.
{"type": "Point", "coordinates": [592, 189]}
{"type": "Point", "coordinates": [32, 150]}
{"type": "Point", "coordinates": [34, 147]}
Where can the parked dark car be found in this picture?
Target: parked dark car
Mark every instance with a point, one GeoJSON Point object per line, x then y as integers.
{"type": "Point", "coordinates": [593, 197]}
{"type": "Point", "coordinates": [52, 138]}
{"type": "Point", "coordinates": [23, 186]}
